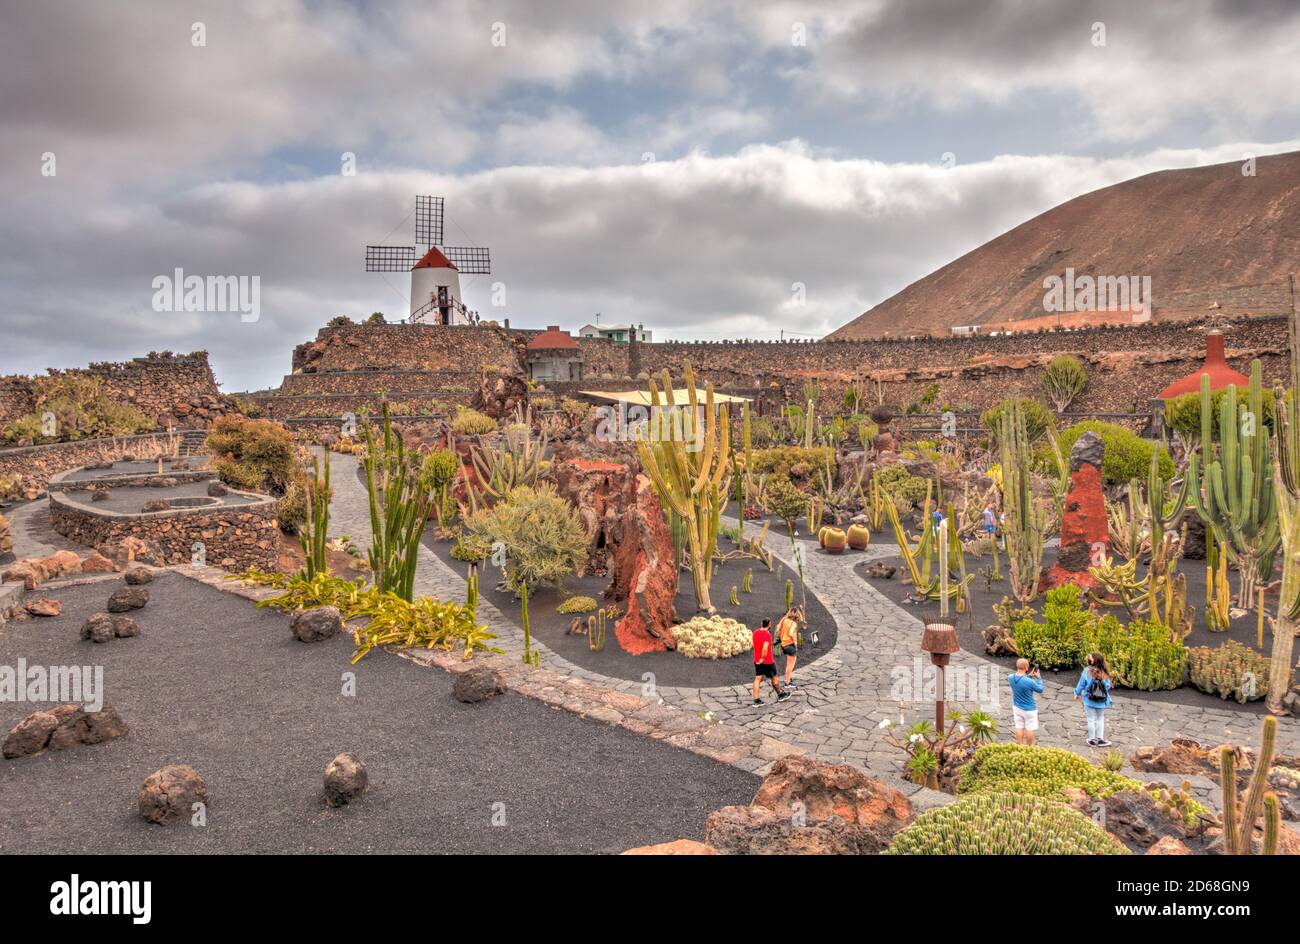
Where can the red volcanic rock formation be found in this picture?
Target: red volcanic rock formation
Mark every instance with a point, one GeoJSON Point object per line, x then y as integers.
{"type": "Point", "coordinates": [602, 492]}
{"type": "Point", "coordinates": [1083, 526]}
{"type": "Point", "coordinates": [645, 576]}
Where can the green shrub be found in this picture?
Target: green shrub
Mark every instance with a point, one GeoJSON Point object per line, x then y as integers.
{"type": "Point", "coordinates": [1038, 418]}
{"type": "Point", "coordinates": [900, 483]}
{"type": "Point", "coordinates": [339, 321]}
{"type": "Point", "coordinates": [542, 533]}
{"type": "Point", "coordinates": [1141, 655]}
{"type": "Point", "coordinates": [1063, 639]}
{"type": "Point", "coordinates": [470, 422]}
{"type": "Point", "coordinates": [376, 317]}
{"type": "Point", "coordinates": [1037, 771]}
{"type": "Point", "coordinates": [1183, 413]}
{"type": "Point", "coordinates": [1004, 824]}
{"type": "Point", "coordinates": [256, 455]}
{"type": "Point", "coordinates": [1229, 671]}
{"type": "Point", "coordinates": [578, 604]}
{"type": "Point", "coordinates": [291, 509]}
{"type": "Point", "coordinates": [1063, 380]}
{"type": "Point", "coordinates": [1127, 457]}
{"type": "Point", "coordinates": [81, 410]}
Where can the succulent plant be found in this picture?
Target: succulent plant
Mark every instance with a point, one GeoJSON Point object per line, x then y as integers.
{"type": "Point", "coordinates": [1004, 824]}
{"type": "Point", "coordinates": [1229, 671]}
{"type": "Point", "coordinates": [1038, 771]}
{"type": "Point", "coordinates": [859, 537]}
{"type": "Point", "coordinates": [712, 637]}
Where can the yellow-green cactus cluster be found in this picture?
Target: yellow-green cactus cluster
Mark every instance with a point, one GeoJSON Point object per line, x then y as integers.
{"type": "Point", "coordinates": [1037, 771]}
{"type": "Point", "coordinates": [712, 637]}
{"type": "Point", "coordinates": [1229, 671]}
{"type": "Point", "coordinates": [1004, 824]}
{"type": "Point", "coordinates": [578, 604]}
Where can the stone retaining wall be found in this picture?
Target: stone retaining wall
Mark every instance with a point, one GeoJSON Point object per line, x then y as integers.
{"type": "Point", "coordinates": [233, 538]}
{"type": "Point", "coordinates": [36, 465]}
{"type": "Point", "coordinates": [1127, 365]}
{"type": "Point", "coordinates": [175, 390]}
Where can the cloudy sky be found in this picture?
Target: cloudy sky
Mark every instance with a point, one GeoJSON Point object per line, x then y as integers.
{"type": "Point", "coordinates": [679, 164]}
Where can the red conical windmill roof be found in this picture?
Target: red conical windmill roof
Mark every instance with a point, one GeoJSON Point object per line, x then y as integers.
{"type": "Point", "coordinates": [1216, 365]}
{"type": "Point", "coordinates": [434, 259]}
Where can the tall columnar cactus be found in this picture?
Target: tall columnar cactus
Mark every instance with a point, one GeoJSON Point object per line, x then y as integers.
{"type": "Point", "coordinates": [686, 466]}
{"type": "Point", "coordinates": [596, 630]}
{"type": "Point", "coordinates": [399, 508]}
{"type": "Point", "coordinates": [530, 654]}
{"type": "Point", "coordinates": [1239, 814]}
{"type": "Point", "coordinates": [1025, 520]}
{"type": "Point", "coordinates": [1231, 483]}
{"type": "Point", "coordinates": [1287, 488]}
{"type": "Point", "coordinates": [315, 531]}
{"type": "Point", "coordinates": [809, 423]}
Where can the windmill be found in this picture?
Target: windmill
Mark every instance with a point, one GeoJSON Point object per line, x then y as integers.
{"type": "Point", "coordinates": [435, 273]}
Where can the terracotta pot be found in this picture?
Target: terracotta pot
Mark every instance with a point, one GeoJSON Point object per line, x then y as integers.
{"type": "Point", "coordinates": [834, 540]}
{"type": "Point", "coordinates": [859, 537]}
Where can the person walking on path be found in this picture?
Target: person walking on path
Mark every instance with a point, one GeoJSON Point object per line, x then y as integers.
{"type": "Point", "coordinates": [765, 663]}
{"type": "Point", "coordinates": [1094, 691]}
{"type": "Point", "coordinates": [1025, 683]}
{"type": "Point", "coordinates": [787, 632]}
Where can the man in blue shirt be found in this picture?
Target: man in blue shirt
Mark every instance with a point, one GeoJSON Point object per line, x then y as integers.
{"type": "Point", "coordinates": [1024, 708]}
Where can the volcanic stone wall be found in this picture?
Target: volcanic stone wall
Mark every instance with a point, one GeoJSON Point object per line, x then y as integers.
{"type": "Point", "coordinates": [1127, 365]}
{"type": "Point", "coordinates": [234, 538]}
{"type": "Point", "coordinates": [36, 465]}
{"type": "Point", "coordinates": [173, 389]}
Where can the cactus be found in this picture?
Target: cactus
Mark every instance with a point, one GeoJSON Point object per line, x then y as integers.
{"type": "Point", "coordinates": [1229, 671]}
{"type": "Point", "coordinates": [689, 481]}
{"type": "Point", "coordinates": [1239, 814]}
{"type": "Point", "coordinates": [596, 631]}
{"type": "Point", "coordinates": [809, 423]}
{"type": "Point", "coordinates": [835, 540]}
{"type": "Point", "coordinates": [517, 460]}
{"type": "Point", "coordinates": [1231, 484]}
{"type": "Point", "coordinates": [1287, 488]}
{"type": "Point", "coordinates": [530, 656]}
{"type": "Point", "coordinates": [859, 537]}
{"type": "Point", "coordinates": [471, 591]}
{"type": "Point", "coordinates": [735, 595]}
{"type": "Point", "coordinates": [747, 582]}
{"type": "Point", "coordinates": [1004, 824]}
{"type": "Point", "coordinates": [789, 595]}
{"type": "Point", "coordinates": [315, 532]}
{"type": "Point", "coordinates": [813, 516]}
{"type": "Point", "coordinates": [1218, 595]}
{"type": "Point", "coordinates": [1024, 519]}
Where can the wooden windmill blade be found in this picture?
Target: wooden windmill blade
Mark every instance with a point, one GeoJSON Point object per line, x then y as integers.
{"type": "Point", "coordinates": [469, 260]}
{"type": "Point", "coordinates": [390, 258]}
{"type": "Point", "coordinates": [428, 220]}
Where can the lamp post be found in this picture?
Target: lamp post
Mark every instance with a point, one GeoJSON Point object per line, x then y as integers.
{"type": "Point", "coordinates": [940, 636]}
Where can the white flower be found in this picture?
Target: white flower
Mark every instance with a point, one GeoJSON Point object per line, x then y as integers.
{"type": "Point", "coordinates": [885, 724]}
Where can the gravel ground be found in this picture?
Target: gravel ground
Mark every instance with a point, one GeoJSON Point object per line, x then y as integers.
{"type": "Point", "coordinates": [216, 684]}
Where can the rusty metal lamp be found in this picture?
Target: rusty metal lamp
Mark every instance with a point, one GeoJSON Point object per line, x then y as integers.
{"type": "Point", "coordinates": [940, 636]}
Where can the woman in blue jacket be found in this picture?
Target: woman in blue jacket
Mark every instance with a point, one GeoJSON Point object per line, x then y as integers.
{"type": "Point", "coordinates": [1094, 691]}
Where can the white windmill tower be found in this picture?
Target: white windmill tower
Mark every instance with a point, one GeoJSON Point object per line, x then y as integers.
{"type": "Point", "coordinates": [435, 275]}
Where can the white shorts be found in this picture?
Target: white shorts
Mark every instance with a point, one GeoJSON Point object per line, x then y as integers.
{"type": "Point", "coordinates": [1025, 720]}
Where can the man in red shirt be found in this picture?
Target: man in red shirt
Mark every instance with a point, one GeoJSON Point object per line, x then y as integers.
{"type": "Point", "coordinates": [765, 662]}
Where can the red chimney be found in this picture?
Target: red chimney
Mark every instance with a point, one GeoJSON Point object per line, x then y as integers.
{"type": "Point", "coordinates": [1216, 365]}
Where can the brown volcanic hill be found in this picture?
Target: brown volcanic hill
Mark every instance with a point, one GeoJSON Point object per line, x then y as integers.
{"type": "Point", "coordinates": [1212, 240]}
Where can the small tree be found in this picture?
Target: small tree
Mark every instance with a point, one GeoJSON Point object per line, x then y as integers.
{"type": "Point", "coordinates": [1063, 380]}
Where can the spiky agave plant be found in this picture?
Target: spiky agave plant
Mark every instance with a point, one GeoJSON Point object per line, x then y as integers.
{"type": "Point", "coordinates": [399, 508]}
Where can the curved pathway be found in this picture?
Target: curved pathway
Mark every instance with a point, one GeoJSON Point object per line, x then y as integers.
{"type": "Point", "coordinates": [875, 665]}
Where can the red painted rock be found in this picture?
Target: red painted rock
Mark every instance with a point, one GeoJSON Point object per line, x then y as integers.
{"type": "Point", "coordinates": [645, 576]}
{"type": "Point", "coordinates": [1084, 529]}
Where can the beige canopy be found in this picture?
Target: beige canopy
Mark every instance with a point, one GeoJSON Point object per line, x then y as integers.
{"type": "Point", "coordinates": [642, 397]}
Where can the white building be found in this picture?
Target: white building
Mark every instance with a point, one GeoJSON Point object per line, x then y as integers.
{"type": "Point", "coordinates": [435, 291]}
{"type": "Point", "coordinates": [620, 333]}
